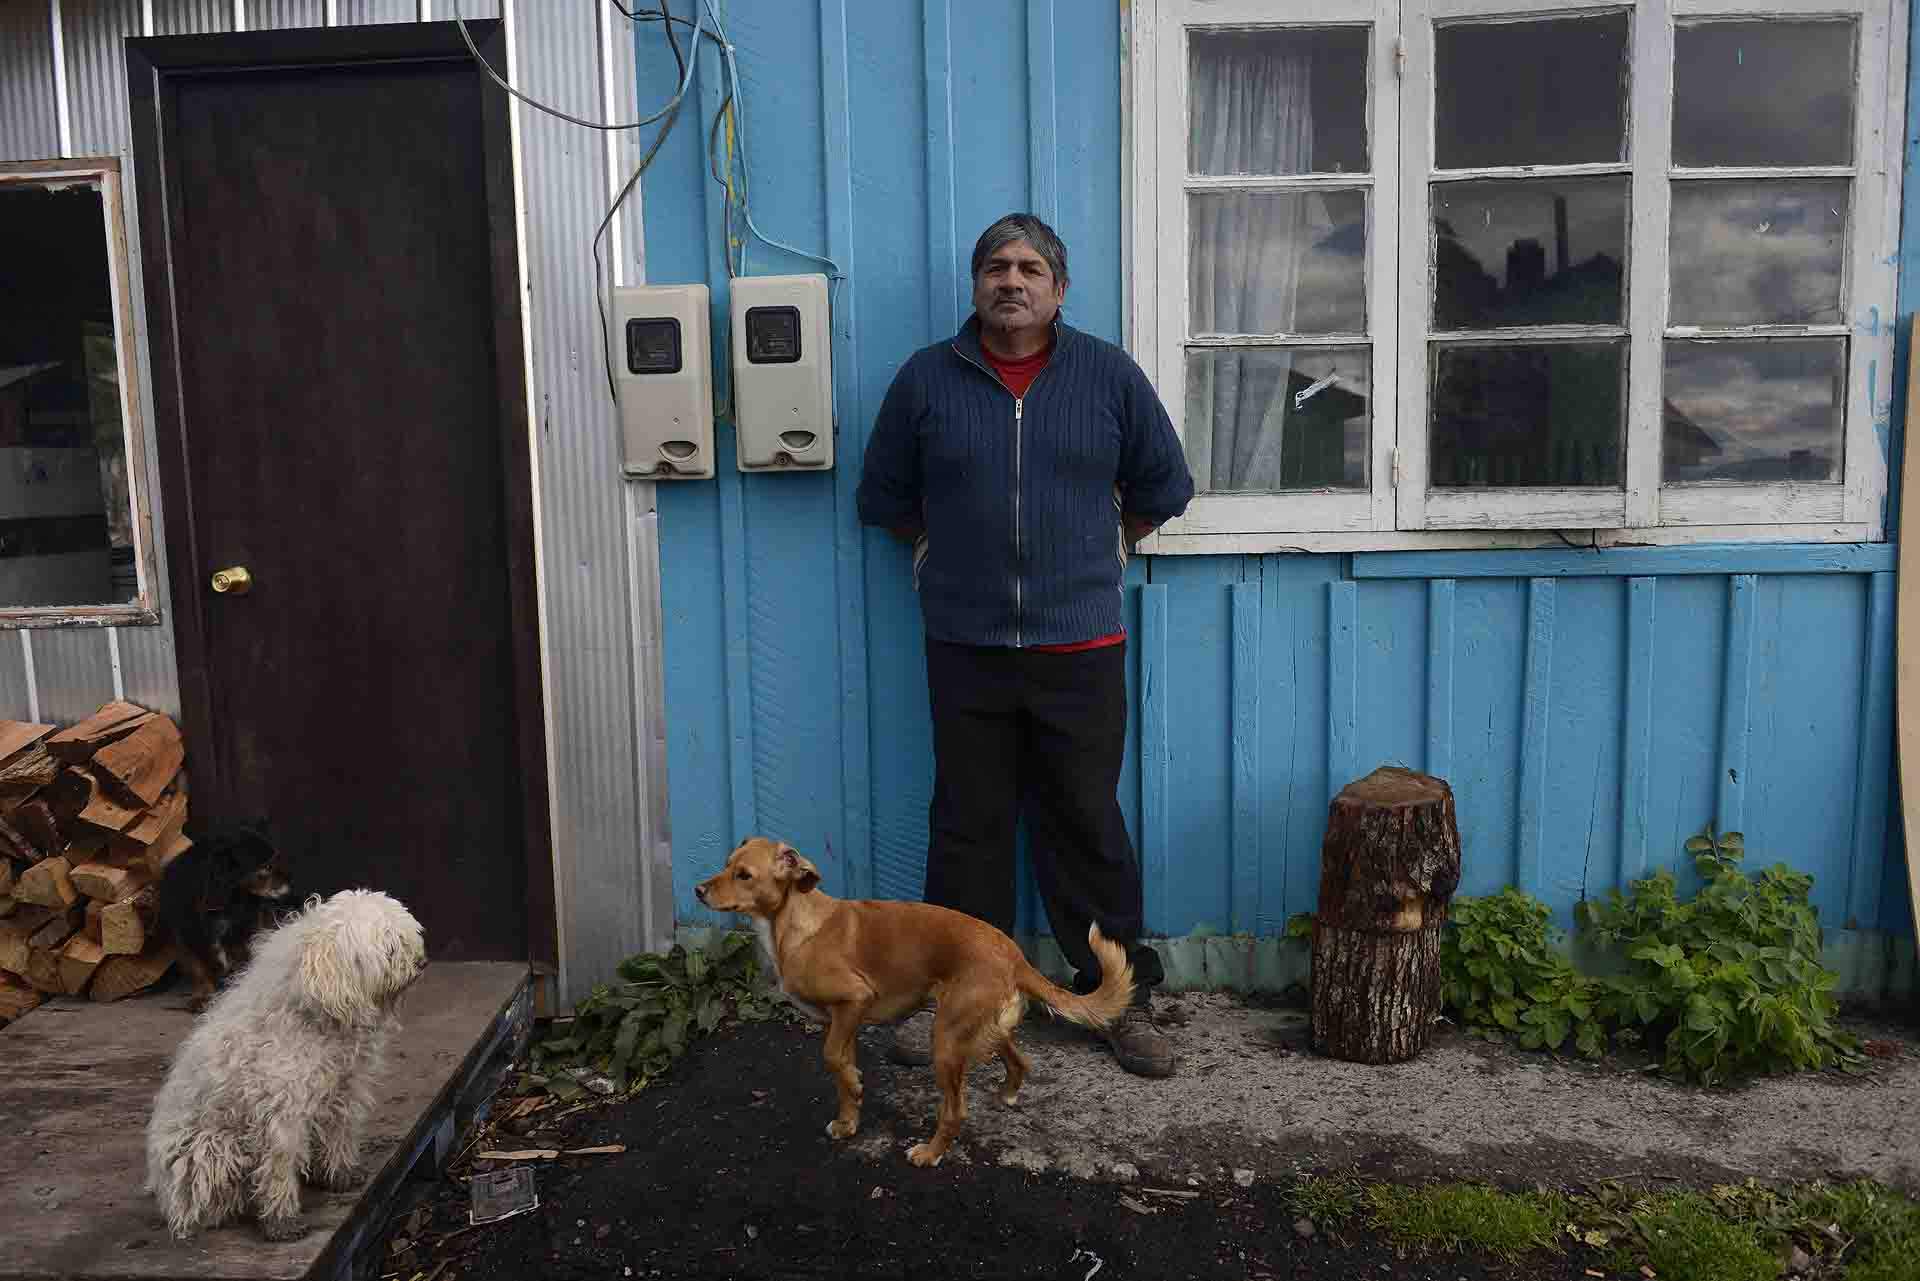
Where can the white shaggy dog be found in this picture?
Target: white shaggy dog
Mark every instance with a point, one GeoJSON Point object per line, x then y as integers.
{"type": "Point", "coordinates": [274, 1083]}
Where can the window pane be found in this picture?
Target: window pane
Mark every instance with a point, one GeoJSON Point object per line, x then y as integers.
{"type": "Point", "coordinates": [1758, 253]}
{"type": "Point", "coordinates": [1536, 414]}
{"type": "Point", "coordinates": [1278, 101]}
{"type": "Point", "coordinates": [1535, 251]}
{"type": "Point", "coordinates": [1270, 418]}
{"type": "Point", "coordinates": [1761, 410]}
{"type": "Point", "coordinates": [1531, 93]}
{"type": "Point", "coordinates": [66, 518]}
{"type": "Point", "coordinates": [1278, 262]}
{"type": "Point", "coordinates": [1763, 93]}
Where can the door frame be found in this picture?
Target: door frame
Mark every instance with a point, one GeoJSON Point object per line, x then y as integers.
{"type": "Point", "coordinates": [155, 65]}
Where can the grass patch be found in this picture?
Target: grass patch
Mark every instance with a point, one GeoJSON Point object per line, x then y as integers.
{"type": "Point", "coordinates": [1873, 1228]}
{"type": "Point", "coordinates": [1684, 1237]}
{"type": "Point", "coordinates": [1468, 1216]}
{"type": "Point", "coordinates": [1329, 1202]}
{"type": "Point", "coordinates": [1857, 1231]}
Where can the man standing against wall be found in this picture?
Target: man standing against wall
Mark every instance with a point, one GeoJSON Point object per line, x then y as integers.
{"type": "Point", "coordinates": [1022, 459]}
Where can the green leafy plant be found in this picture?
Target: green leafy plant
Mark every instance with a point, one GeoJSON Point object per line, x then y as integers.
{"type": "Point", "coordinates": [632, 1031]}
{"type": "Point", "coordinates": [1725, 984]}
{"type": "Point", "coordinates": [1729, 982]}
{"type": "Point", "coordinates": [1502, 973]}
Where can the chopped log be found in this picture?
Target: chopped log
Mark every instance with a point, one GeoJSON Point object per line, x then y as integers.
{"type": "Point", "coordinates": [69, 793]}
{"type": "Point", "coordinates": [108, 811]}
{"type": "Point", "coordinates": [13, 844]}
{"type": "Point", "coordinates": [29, 769]}
{"type": "Point", "coordinates": [35, 821]}
{"type": "Point", "coordinates": [48, 884]}
{"type": "Point", "coordinates": [8, 877]}
{"type": "Point", "coordinates": [177, 845]}
{"type": "Point", "coordinates": [107, 883]}
{"type": "Point", "coordinates": [111, 723]}
{"type": "Point", "coordinates": [7, 903]}
{"type": "Point", "coordinates": [1388, 868]}
{"type": "Point", "coordinates": [16, 999]}
{"type": "Point", "coordinates": [15, 736]}
{"type": "Point", "coordinates": [126, 926]}
{"type": "Point", "coordinates": [43, 970]}
{"type": "Point", "coordinates": [144, 762]}
{"type": "Point", "coordinates": [57, 929]}
{"type": "Point", "coordinates": [120, 976]}
{"type": "Point", "coordinates": [96, 911]}
{"type": "Point", "coordinates": [16, 934]}
{"type": "Point", "coordinates": [78, 961]}
{"type": "Point", "coordinates": [157, 827]}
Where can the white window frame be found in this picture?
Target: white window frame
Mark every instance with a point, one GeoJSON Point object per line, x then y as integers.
{"type": "Point", "coordinates": [1398, 510]}
{"type": "Point", "coordinates": [102, 173]}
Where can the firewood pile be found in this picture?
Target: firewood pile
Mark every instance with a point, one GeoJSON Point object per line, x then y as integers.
{"type": "Point", "coordinates": [89, 818]}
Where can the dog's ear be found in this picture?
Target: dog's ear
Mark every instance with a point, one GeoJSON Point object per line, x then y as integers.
{"type": "Point", "coordinates": [329, 979]}
{"type": "Point", "coordinates": [797, 868]}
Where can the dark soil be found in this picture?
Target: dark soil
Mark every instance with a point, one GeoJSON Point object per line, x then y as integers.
{"type": "Point", "coordinates": [728, 1173]}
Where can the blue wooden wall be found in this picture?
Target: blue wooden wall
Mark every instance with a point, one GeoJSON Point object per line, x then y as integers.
{"type": "Point", "coordinates": [1591, 709]}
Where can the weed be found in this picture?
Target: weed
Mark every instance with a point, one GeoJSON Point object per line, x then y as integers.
{"type": "Point", "coordinates": [1726, 984]}
{"type": "Point", "coordinates": [1329, 1201]}
{"type": "Point", "coordinates": [633, 1030]}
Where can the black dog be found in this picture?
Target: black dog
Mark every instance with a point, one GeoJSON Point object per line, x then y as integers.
{"type": "Point", "coordinates": [214, 897]}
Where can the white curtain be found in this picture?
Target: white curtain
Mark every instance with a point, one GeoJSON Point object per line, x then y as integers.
{"type": "Point", "coordinates": [1251, 113]}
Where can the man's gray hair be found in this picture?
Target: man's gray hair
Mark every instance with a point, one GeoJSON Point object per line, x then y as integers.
{"type": "Point", "coordinates": [1022, 226]}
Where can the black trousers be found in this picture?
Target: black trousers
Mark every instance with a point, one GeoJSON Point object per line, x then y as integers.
{"type": "Point", "coordinates": [1017, 732]}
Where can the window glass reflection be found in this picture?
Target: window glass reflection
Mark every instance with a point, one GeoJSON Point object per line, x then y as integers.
{"type": "Point", "coordinates": [1754, 411]}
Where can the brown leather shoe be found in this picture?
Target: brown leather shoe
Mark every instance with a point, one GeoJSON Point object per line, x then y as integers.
{"type": "Point", "coordinates": [1140, 1047]}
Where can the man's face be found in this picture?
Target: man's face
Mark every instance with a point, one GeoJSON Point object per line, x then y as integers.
{"type": "Point", "coordinates": [1016, 290]}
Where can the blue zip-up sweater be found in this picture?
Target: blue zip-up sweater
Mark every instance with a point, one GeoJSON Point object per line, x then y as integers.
{"type": "Point", "coordinates": [1021, 499]}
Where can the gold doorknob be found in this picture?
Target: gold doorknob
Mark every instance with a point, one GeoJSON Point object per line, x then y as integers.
{"type": "Point", "coordinates": [234, 581]}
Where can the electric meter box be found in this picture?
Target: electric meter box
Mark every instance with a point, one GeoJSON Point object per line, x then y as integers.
{"type": "Point", "coordinates": [782, 373]}
{"type": "Point", "coordinates": [663, 370]}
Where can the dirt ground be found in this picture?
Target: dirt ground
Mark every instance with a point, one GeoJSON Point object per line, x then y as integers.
{"type": "Point", "coordinates": [728, 1171]}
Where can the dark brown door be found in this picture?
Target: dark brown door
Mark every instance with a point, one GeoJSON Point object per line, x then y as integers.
{"type": "Point", "coordinates": [330, 272]}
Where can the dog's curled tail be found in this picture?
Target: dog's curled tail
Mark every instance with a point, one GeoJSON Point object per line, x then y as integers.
{"type": "Point", "coordinates": [1101, 1006]}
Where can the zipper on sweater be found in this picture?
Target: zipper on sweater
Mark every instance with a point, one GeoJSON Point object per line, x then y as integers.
{"type": "Point", "coordinates": [1019, 408]}
{"type": "Point", "coordinates": [1019, 412]}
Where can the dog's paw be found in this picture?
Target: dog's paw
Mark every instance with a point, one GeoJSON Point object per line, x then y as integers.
{"type": "Point", "coordinates": [837, 1129]}
{"type": "Point", "coordinates": [923, 1154]}
{"type": "Point", "coordinates": [341, 1180]}
{"type": "Point", "coordinates": [288, 1229]}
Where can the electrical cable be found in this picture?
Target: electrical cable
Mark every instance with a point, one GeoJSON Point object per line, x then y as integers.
{"type": "Point", "coordinates": [731, 109]}
{"type": "Point", "coordinates": [495, 76]}
{"type": "Point", "coordinates": [599, 272]}
{"type": "Point", "coordinates": [740, 115]}
{"type": "Point", "coordinates": [666, 17]}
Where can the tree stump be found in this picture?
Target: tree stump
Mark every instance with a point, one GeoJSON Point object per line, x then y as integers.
{"type": "Point", "coordinates": [1388, 868]}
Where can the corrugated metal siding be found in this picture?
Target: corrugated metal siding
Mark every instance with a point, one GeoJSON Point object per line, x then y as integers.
{"type": "Point", "coordinates": [97, 74]}
{"type": "Point", "coordinates": [1589, 724]}
{"type": "Point", "coordinates": [264, 15]}
{"type": "Point", "coordinates": [191, 17]}
{"type": "Point", "coordinates": [355, 13]}
{"type": "Point", "coordinates": [16, 698]}
{"type": "Point", "coordinates": [72, 672]}
{"type": "Point", "coordinates": [29, 127]}
{"type": "Point", "coordinates": [598, 532]}
{"type": "Point", "coordinates": [585, 550]}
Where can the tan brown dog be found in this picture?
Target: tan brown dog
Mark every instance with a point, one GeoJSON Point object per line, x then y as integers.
{"type": "Point", "coordinates": [847, 962]}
